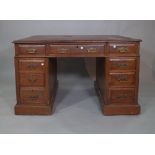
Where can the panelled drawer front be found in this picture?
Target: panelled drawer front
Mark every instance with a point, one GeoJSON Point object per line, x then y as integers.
{"type": "Point", "coordinates": [76, 49]}
{"type": "Point", "coordinates": [30, 50]}
{"type": "Point", "coordinates": [32, 79]}
{"type": "Point", "coordinates": [130, 49]}
{"type": "Point", "coordinates": [32, 65]}
{"type": "Point", "coordinates": [122, 79]}
{"type": "Point", "coordinates": [32, 96]}
{"type": "Point", "coordinates": [122, 64]}
{"type": "Point", "coordinates": [61, 49]}
{"type": "Point", "coordinates": [122, 96]}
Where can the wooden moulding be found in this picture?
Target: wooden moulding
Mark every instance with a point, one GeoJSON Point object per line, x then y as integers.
{"type": "Point", "coordinates": [33, 110]}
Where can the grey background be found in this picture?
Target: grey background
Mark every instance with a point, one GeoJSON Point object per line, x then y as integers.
{"type": "Point", "coordinates": [77, 108]}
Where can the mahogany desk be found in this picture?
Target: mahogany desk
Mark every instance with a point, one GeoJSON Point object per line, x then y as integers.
{"type": "Point", "coordinates": [117, 71]}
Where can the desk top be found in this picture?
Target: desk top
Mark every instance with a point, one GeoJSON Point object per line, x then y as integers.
{"type": "Point", "coordinates": [75, 38]}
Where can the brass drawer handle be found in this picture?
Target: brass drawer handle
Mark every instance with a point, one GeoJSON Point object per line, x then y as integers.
{"type": "Point", "coordinates": [123, 96]}
{"type": "Point", "coordinates": [123, 65]}
{"type": "Point", "coordinates": [31, 50]}
{"type": "Point", "coordinates": [122, 49]}
{"type": "Point", "coordinates": [33, 97]}
{"type": "Point", "coordinates": [91, 49]}
{"type": "Point", "coordinates": [32, 66]}
{"type": "Point", "coordinates": [32, 79]}
{"type": "Point", "coordinates": [63, 50]}
{"type": "Point", "coordinates": [122, 78]}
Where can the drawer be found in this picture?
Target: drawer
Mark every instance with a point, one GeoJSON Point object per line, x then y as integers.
{"type": "Point", "coordinates": [32, 79]}
{"type": "Point", "coordinates": [32, 96]}
{"type": "Point", "coordinates": [122, 96]}
{"type": "Point", "coordinates": [123, 49]}
{"type": "Point", "coordinates": [31, 65]}
{"type": "Point", "coordinates": [30, 50]}
{"type": "Point", "coordinates": [122, 79]}
{"type": "Point", "coordinates": [122, 64]}
{"type": "Point", "coordinates": [76, 49]}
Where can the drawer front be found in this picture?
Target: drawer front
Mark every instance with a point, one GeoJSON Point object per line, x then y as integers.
{"type": "Point", "coordinates": [32, 96]}
{"type": "Point", "coordinates": [30, 50]}
{"type": "Point", "coordinates": [122, 96]}
{"type": "Point", "coordinates": [76, 49]}
{"type": "Point", "coordinates": [31, 65]}
{"type": "Point", "coordinates": [123, 49]}
{"type": "Point", "coordinates": [122, 64]}
{"type": "Point", "coordinates": [62, 49]}
{"type": "Point", "coordinates": [32, 79]}
{"type": "Point", "coordinates": [122, 79]}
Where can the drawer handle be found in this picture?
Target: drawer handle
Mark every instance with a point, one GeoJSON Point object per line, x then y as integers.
{"type": "Point", "coordinates": [31, 50]}
{"type": "Point", "coordinates": [123, 65]}
{"type": "Point", "coordinates": [122, 78]}
{"type": "Point", "coordinates": [33, 97]}
{"type": "Point", "coordinates": [32, 66]}
{"type": "Point", "coordinates": [91, 50]}
{"type": "Point", "coordinates": [63, 50]}
{"type": "Point", "coordinates": [122, 49]}
{"type": "Point", "coordinates": [32, 79]}
{"type": "Point", "coordinates": [123, 96]}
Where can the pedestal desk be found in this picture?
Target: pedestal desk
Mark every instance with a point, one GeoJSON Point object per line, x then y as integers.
{"type": "Point", "coordinates": [117, 71]}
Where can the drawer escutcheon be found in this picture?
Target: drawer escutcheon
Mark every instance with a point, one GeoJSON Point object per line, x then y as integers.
{"type": "Point", "coordinates": [123, 65]}
{"type": "Point", "coordinates": [91, 49]}
{"type": "Point", "coordinates": [33, 97]}
{"type": "Point", "coordinates": [122, 78]}
{"type": "Point", "coordinates": [123, 96]}
{"type": "Point", "coordinates": [31, 50]}
{"type": "Point", "coordinates": [122, 49]}
{"type": "Point", "coordinates": [32, 79]}
{"type": "Point", "coordinates": [32, 66]}
{"type": "Point", "coordinates": [63, 50]}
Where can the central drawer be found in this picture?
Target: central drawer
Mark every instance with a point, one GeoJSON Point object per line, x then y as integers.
{"type": "Point", "coordinates": [76, 49]}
